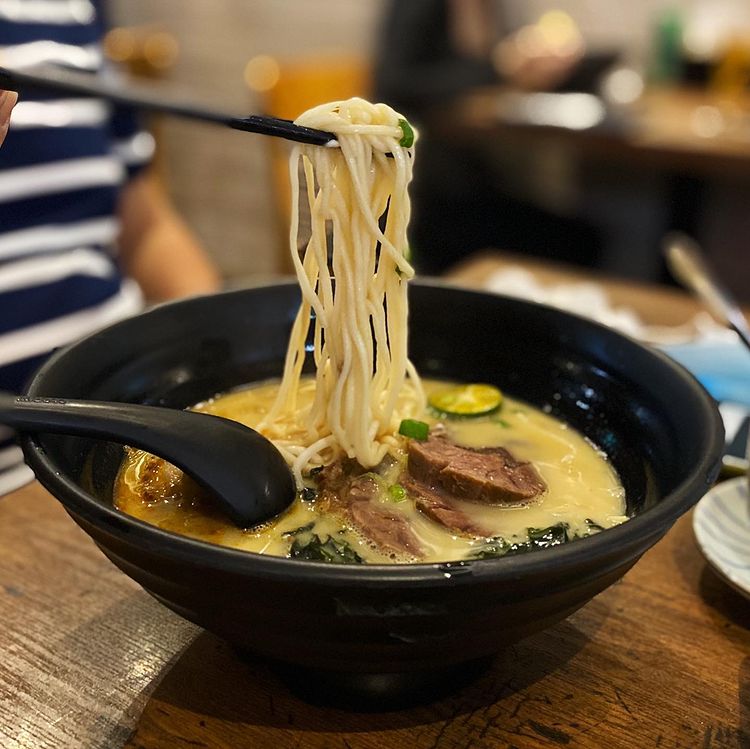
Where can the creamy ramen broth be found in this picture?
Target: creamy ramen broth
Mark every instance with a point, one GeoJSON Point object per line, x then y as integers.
{"type": "Point", "coordinates": [583, 490]}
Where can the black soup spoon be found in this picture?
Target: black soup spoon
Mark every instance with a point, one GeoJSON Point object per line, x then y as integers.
{"type": "Point", "coordinates": [246, 474]}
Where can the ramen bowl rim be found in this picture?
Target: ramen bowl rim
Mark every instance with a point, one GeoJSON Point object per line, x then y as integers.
{"type": "Point", "coordinates": [638, 532]}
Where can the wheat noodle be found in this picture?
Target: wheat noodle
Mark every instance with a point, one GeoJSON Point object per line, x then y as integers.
{"type": "Point", "coordinates": [364, 383]}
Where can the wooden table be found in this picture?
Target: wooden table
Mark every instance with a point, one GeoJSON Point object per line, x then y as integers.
{"type": "Point", "coordinates": [87, 659]}
{"type": "Point", "coordinates": [688, 130]}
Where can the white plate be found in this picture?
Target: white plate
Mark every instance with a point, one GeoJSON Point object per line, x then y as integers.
{"type": "Point", "coordinates": [721, 523]}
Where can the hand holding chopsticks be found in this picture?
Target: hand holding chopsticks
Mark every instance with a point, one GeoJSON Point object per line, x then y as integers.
{"type": "Point", "coordinates": [64, 80]}
{"type": "Point", "coordinates": [7, 101]}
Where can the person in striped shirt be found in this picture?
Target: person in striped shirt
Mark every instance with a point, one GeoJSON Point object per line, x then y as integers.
{"type": "Point", "coordinates": [86, 231]}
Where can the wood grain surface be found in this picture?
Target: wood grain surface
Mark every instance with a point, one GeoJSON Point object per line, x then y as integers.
{"type": "Point", "coordinates": [87, 659]}
{"type": "Point", "coordinates": [654, 305]}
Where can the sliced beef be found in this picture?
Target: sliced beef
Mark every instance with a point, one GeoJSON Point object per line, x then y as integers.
{"type": "Point", "coordinates": [389, 529]}
{"type": "Point", "coordinates": [333, 481]}
{"type": "Point", "coordinates": [334, 476]}
{"type": "Point", "coordinates": [359, 497]}
{"type": "Point", "coordinates": [363, 489]}
{"type": "Point", "coordinates": [441, 509]}
{"type": "Point", "coordinates": [487, 475]}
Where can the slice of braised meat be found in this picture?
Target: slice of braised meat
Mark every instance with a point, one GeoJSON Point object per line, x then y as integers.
{"type": "Point", "coordinates": [441, 509]}
{"type": "Point", "coordinates": [334, 476]}
{"type": "Point", "coordinates": [389, 529]}
{"type": "Point", "coordinates": [359, 497]}
{"type": "Point", "coordinates": [487, 475]}
{"type": "Point", "coordinates": [332, 480]}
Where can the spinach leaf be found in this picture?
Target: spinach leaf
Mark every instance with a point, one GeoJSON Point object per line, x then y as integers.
{"type": "Point", "coordinates": [537, 538]}
{"type": "Point", "coordinates": [495, 547]}
{"type": "Point", "coordinates": [315, 549]}
{"type": "Point", "coordinates": [299, 531]}
{"type": "Point", "coordinates": [593, 527]}
{"type": "Point", "coordinates": [542, 538]}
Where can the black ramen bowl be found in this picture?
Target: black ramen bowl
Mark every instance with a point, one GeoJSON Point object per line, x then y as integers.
{"type": "Point", "coordinates": [382, 627]}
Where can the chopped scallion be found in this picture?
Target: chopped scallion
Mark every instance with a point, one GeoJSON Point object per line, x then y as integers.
{"type": "Point", "coordinates": [397, 493]}
{"type": "Point", "coordinates": [407, 140]}
{"type": "Point", "coordinates": [416, 430]}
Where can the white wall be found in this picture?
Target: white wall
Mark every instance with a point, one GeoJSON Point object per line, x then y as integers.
{"type": "Point", "coordinates": [219, 179]}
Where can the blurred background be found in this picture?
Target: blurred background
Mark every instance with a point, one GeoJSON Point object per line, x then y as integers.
{"type": "Point", "coordinates": [575, 131]}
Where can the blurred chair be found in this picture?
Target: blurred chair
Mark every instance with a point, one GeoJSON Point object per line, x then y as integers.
{"type": "Point", "coordinates": [286, 88]}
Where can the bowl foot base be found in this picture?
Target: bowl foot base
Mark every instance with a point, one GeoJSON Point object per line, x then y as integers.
{"type": "Point", "coordinates": [377, 692]}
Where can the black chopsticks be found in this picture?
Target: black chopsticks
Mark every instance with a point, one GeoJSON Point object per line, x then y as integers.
{"type": "Point", "coordinates": [64, 80]}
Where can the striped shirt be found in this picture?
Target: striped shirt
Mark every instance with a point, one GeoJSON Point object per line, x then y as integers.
{"type": "Point", "coordinates": [62, 166]}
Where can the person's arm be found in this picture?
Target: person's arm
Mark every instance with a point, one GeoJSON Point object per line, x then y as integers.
{"type": "Point", "coordinates": [8, 100]}
{"type": "Point", "coordinates": [156, 247]}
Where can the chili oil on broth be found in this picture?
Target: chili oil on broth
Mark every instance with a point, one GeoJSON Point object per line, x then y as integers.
{"type": "Point", "coordinates": [582, 487]}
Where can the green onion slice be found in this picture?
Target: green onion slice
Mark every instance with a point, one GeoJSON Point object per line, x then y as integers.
{"type": "Point", "coordinates": [416, 430]}
{"type": "Point", "coordinates": [396, 492]}
{"type": "Point", "coordinates": [407, 139]}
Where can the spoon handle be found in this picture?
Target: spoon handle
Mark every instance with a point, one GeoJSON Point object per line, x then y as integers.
{"type": "Point", "coordinates": [237, 464]}
{"type": "Point", "coordinates": [122, 421]}
{"type": "Point", "coordinates": [176, 436]}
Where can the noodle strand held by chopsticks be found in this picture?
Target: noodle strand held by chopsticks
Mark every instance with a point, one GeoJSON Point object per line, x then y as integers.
{"type": "Point", "coordinates": [364, 384]}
